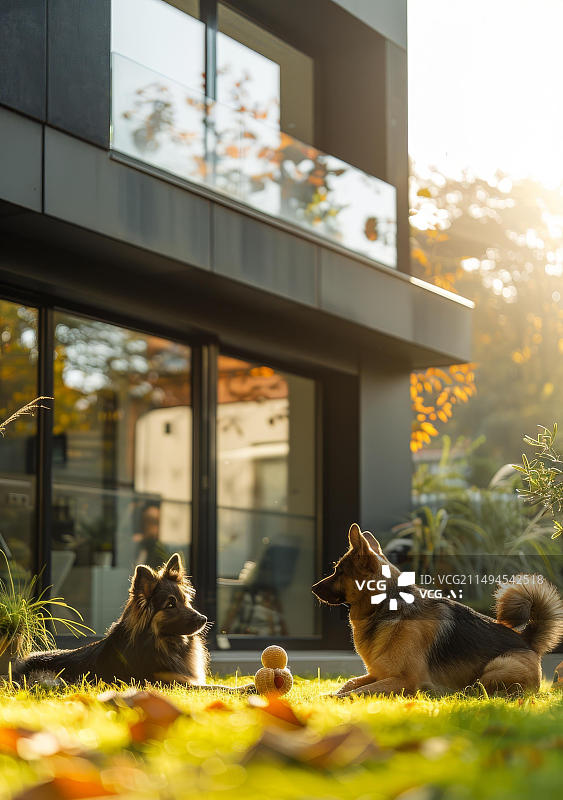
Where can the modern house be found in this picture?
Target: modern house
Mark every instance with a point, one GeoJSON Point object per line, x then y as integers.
{"type": "Point", "coordinates": [204, 259]}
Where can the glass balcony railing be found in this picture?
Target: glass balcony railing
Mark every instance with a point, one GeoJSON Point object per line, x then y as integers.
{"type": "Point", "coordinates": [173, 128]}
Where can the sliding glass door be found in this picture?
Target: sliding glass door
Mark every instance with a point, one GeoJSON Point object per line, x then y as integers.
{"type": "Point", "coordinates": [121, 460]}
{"type": "Point", "coordinates": [266, 495]}
{"type": "Point", "coordinates": [18, 386]}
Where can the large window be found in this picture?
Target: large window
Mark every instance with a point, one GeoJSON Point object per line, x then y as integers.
{"type": "Point", "coordinates": [121, 460]}
{"type": "Point", "coordinates": [266, 464]}
{"type": "Point", "coordinates": [120, 487]}
{"type": "Point", "coordinates": [161, 36]}
{"type": "Point", "coordinates": [261, 73]}
{"type": "Point", "coordinates": [250, 139]}
{"type": "Point", "coordinates": [18, 386]}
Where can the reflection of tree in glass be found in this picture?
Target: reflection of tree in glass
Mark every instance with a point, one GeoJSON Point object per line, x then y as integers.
{"type": "Point", "coordinates": [94, 359]}
{"type": "Point", "coordinates": [250, 384]}
{"type": "Point", "coordinates": [154, 104]}
{"type": "Point", "coordinates": [234, 149]}
{"type": "Point", "coordinates": [18, 356]}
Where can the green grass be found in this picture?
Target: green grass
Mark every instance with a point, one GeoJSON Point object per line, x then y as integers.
{"type": "Point", "coordinates": [456, 747]}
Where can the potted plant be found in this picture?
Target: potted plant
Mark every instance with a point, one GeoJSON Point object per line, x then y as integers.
{"type": "Point", "coordinates": [99, 535]}
{"type": "Point", "coordinates": [26, 618]}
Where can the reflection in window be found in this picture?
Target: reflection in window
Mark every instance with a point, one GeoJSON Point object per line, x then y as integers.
{"type": "Point", "coordinates": [18, 386]}
{"type": "Point", "coordinates": [266, 501]}
{"type": "Point", "coordinates": [276, 78]}
{"type": "Point", "coordinates": [247, 81]}
{"type": "Point", "coordinates": [121, 460]}
{"type": "Point", "coordinates": [162, 37]}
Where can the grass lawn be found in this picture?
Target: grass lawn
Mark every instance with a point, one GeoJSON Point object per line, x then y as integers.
{"type": "Point", "coordinates": [412, 748]}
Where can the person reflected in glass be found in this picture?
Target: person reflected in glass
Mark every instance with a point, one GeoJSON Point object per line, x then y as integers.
{"type": "Point", "coordinates": [150, 549]}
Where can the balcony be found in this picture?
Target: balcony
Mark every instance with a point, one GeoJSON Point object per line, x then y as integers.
{"type": "Point", "coordinates": [231, 151]}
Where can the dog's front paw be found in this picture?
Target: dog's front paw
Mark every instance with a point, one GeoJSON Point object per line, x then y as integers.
{"type": "Point", "coordinates": [348, 687]}
{"type": "Point", "coordinates": [248, 688]}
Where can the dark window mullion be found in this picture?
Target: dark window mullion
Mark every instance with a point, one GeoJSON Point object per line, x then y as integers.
{"type": "Point", "coordinates": [44, 450]}
{"type": "Point", "coordinates": [204, 496]}
{"type": "Point", "coordinates": [208, 13]}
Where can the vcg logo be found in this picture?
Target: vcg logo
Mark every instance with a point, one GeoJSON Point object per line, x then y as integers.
{"type": "Point", "coordinates": [404, 579]}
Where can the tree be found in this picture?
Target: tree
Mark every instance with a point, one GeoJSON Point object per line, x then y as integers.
{"type": "Point", "coordinates": [498, 242]}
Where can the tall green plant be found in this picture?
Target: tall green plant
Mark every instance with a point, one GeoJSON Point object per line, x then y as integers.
{"type": "Point", "coordinates": [26, 617]}
{"type": "Point", "coordinates": [542, 476]}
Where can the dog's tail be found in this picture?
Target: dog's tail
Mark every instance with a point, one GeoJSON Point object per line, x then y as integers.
{"type": "Point", "coordinates": [532, 606]}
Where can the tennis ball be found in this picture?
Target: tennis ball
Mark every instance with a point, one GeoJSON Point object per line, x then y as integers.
{"type": "Point", "coordinates": [274, 657]}
{"type": "Point", "coordinates": [273, 681]}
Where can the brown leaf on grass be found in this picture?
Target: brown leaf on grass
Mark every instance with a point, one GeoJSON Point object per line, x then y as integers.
{"type": "Point", "coordinates": [159, 712]}
{"type": "Point", "coordinates": [156, 707]}
{"type": "Point", "coordinates": [9, 738]}
{"type": "Point", "coordinates": [39, 791]}
{"type": "Point", "coordinates": [79, 778]}
{"type": "Point", "coordinates": [278, 710]}
{"type": "Point", "coordinates": [28, 744]}
{"type": "Point", "coordinates": [73, 779]}
{"type": "Point", "coordinates": [343, 747]}
{"type": "Point", "coordinates": [217, 705]}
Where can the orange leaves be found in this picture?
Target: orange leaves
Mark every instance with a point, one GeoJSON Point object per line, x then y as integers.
{"type": "Point", "coordinates": [370, 229]}
{"type": "Point", "coordinates": [79, 778]}
{"type": "Point", "coordinates": [27, 744]}
{"type": "Point", "coordinates": [217, 705]}
{"type": "Point", "coordinates": [343, 747]}
{"type": "Point", "coordinates": [434, 394]}
{"type": "Point", "coordinates": [419, 254]}
{"type": "Point", "coordinates": [158, 713]}
{"type": "Point", "coordinates": [278, 710]}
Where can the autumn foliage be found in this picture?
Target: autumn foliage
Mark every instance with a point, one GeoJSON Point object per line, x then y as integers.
{"type": "Point", "coordinates": [434, 393]}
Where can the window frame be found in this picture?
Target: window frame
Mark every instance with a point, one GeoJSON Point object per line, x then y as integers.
{"type": "Point", "coordinates": [205, 349]}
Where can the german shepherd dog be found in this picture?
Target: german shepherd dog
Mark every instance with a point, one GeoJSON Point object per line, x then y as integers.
{"type": "Point", "coordinates": [439, 644]}
{"type": "Point", "coordinates": [158, 637]}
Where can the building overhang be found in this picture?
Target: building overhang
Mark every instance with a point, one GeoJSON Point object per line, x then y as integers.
{"type": "Point", "coordinates": [156, 250]}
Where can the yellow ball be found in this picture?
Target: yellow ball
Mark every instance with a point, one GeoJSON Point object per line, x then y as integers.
{"type": "Point", "coordinates": [273, 681]}
{"type": "Point", "coordinates": [274, 657]}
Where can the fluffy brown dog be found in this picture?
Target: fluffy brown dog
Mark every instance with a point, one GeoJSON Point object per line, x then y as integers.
{"type": "Point", "coordinates": [439, 644]}
{"type": "Point", "coordinates": [158, 637]}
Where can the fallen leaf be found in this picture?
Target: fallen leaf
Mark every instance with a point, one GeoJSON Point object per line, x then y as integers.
{"type": "Point", "coordinates": [39, 791]}
{"type": "Point", "coordinates": [78, 778]}
{"type": "Point", "coordinates": [342, 748]}
{"type": "Point", "coordinates": [28, 744]}
{"type": "Point", "coordinates": [281, 710]}
{"type": "Point", "coordinates": [217, 705]}
{"type": "Point", "coordinates": [9, 738]}
{"type": "Point", "coordinates": [157, 708]}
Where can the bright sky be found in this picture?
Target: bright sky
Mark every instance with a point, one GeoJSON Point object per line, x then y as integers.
{"type": "Point", "coordinates": [486, 86]}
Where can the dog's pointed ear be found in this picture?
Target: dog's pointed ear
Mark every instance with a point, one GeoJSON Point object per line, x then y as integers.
{"type": "Point", "coordinates": [359, 543]}
{"type": "Point", "coordinates": [355, 536]}
{"type": "Point", "coordinates": [174, 571]}
{"type": "Point", "coordinates": [144, 581]}
{"type": "Point", "coordinates": [373, 543]}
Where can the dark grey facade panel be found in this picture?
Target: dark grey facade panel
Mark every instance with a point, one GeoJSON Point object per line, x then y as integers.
{"type": "Point", "coordinates": [22, 56]}
{"type": "Point", "coordinates": [443, 323]}
{"type": "Point", "coordinates": [396, 136]}
{"type": "Point", "coordinates": [21, 141]}
{"type": "Point", "coordinates": [263, 256]}
{"type": "Point", "coordinates": [79, 68]}
{"type": "Point", "coordinates": [385, 417]}
{"type": "Point", "coordinates": [84, 186]}
{"type": "Point", "coordinates": [367, 296]}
